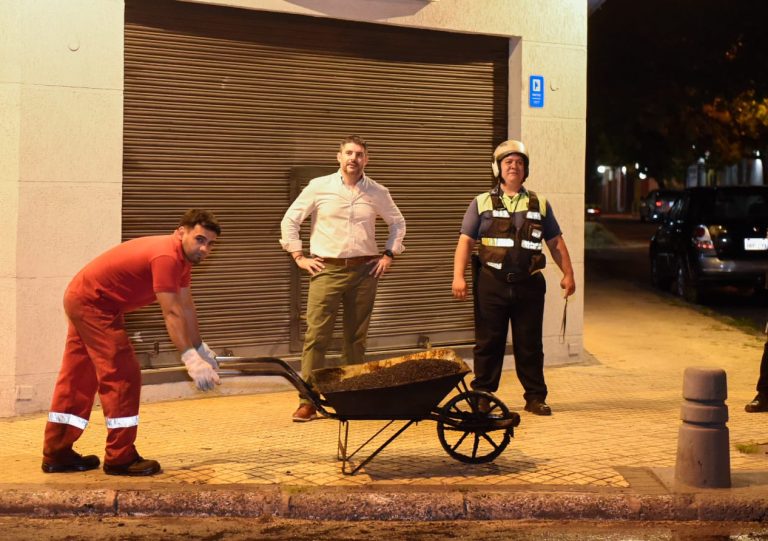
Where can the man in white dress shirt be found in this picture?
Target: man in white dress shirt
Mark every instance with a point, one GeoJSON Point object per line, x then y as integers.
{"type": "Point", "coordinates": [344, 260]}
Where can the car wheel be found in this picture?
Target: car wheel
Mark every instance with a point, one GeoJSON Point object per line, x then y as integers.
{"type": "Point", "coordinates": [685, 286]}
{"type": "Point", "coordinates": [659, 279]}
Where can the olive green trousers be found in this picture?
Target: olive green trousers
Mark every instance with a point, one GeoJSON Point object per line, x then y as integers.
{"type": "Point", "coordinates": [354, 290]}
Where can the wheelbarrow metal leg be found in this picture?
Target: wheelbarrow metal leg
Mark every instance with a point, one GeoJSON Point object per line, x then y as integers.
{"type": "Point", "coordinates": [341, 454]}
{"type": "Point", "coordinates": [346, 459]}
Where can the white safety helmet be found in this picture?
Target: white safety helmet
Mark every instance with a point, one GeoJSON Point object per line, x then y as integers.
{"type": "Point", "coordinates": [505, 149]}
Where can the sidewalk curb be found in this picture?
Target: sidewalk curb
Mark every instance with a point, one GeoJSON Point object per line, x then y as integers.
{"type": "Point", "coordinates": [378, 503]}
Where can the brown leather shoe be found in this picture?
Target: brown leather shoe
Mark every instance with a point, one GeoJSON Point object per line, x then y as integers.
{"type": "Point", "coordinates": [758, 404]}
{"type": "Point", "coordinates": [74, 463]}
{"type": "Point", "coordinates": [538, 407]}
{"type": "Point", "coordinates": [138, 468]}
{"type": "Point", "coordinates": [305, 413]}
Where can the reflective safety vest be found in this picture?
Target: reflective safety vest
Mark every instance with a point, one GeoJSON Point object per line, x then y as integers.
{"type": "Point", "coordinates": [513, 252]}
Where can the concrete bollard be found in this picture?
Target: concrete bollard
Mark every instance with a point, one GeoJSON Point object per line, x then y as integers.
{"type": "Point", "coordinates": [703, 449]}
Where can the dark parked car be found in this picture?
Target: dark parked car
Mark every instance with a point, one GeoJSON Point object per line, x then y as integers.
{"type": "Point", "coordinates": [713, 236]}
{"type": "Point", "coordinates": [657, 204]}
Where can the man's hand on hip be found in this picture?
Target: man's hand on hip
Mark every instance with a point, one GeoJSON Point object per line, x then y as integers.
{"type": "Point", "coordinates": [312, 265]}
{"type": "Point", "coordinates": [380, 266]}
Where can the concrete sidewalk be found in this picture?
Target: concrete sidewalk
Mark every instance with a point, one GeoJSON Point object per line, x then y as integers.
{"type": "Point", "coordinates": [608, 451]}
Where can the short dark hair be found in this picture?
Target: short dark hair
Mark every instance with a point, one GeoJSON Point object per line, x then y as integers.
{"type": "Point", "coordinates": [203, 217]}
{"type": "Point", "coordinates": [356, 139]}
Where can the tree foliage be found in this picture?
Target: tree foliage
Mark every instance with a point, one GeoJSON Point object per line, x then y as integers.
{"type": "Point", "coordinates": [737, 126]}
{"type": "Point", "coordinates": [674, 80]}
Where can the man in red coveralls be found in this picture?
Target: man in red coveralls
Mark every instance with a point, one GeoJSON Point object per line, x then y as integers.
{"type": "Point", "coordinates": [98, 355]}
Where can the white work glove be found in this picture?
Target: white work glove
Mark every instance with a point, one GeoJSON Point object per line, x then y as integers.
{"type": "Point", "coordinates": [208, 355]}
{"type": "Point", "coordinates": [200, 370]}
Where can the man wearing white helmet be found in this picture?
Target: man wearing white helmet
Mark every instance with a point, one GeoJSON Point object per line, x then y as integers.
{"type": "Point", "coordinates": [510, 222]}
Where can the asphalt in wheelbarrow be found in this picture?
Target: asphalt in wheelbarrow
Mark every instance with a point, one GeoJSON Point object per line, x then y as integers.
{"type": "Point", "coordinates": [407, 387]}
{"type": "Point", "coordinates": [406, 372]}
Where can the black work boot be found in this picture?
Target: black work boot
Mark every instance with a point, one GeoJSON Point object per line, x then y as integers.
{"type": "Point", "coordinates": [758, 404]}
{"type": "Point", "coordinates": [74, 462]}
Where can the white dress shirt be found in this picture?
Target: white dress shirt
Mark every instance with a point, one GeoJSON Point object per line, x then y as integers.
{"type": "Point", "coordinates": [343, 218]}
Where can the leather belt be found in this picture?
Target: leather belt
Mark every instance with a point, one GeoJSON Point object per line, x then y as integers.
{"type": "Point", "coordinates": [349, 261]}
{"type": "Point", "coordinates": [508, 277]}
{"type": "Point", "coordinates": [512, 277]}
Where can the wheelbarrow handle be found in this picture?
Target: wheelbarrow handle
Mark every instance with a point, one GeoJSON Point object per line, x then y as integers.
{"type": "Point", "coordinates": [270, 366]}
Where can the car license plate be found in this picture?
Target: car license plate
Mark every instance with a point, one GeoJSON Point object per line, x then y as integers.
{"type": "Point", "coordinates": [755, 244]}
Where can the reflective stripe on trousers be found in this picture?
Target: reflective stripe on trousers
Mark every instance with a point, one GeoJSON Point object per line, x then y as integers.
{"type": "Point", "coordinates": [67, 419]}
{"type": "Point", "coordinates": [123, 422]}
{"type": "Point", "coordinates": [79, 422]}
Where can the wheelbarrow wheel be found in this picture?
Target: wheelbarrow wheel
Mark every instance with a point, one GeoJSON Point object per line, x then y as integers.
{"type": "Point", "coordinates": [473, 436]}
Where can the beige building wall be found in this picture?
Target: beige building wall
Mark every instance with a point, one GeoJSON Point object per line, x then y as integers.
{"type": "Point", "coordinates": [61, 115]}
{"type": "Point", "coordinates": [61, 108]}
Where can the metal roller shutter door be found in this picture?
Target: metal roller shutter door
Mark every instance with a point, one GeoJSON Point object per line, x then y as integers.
{"type": "Point", "coordinates": [234, 110]}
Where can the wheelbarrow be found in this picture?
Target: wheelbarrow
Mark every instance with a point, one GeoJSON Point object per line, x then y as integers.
{"type": "Point", "coordinates": [406, 390]}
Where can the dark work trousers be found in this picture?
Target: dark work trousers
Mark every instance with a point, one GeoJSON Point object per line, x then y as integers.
{"type": "Point", "coordinates": [762, 383]}
{"type": "Point", "coordinates": [498, 303]}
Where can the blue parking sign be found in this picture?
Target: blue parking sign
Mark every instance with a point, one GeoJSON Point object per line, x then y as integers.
{"type": "Point", "coordinates": [536, 91]}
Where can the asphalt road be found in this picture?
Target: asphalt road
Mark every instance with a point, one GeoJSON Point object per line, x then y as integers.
{"type": "Point", "coordinates": [275, 529]}
{"type": "Point", "coordinates": [629, 261]}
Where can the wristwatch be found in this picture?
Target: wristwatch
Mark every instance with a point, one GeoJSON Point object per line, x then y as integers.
{"type": "Point", "coordinates": [389, 254]}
